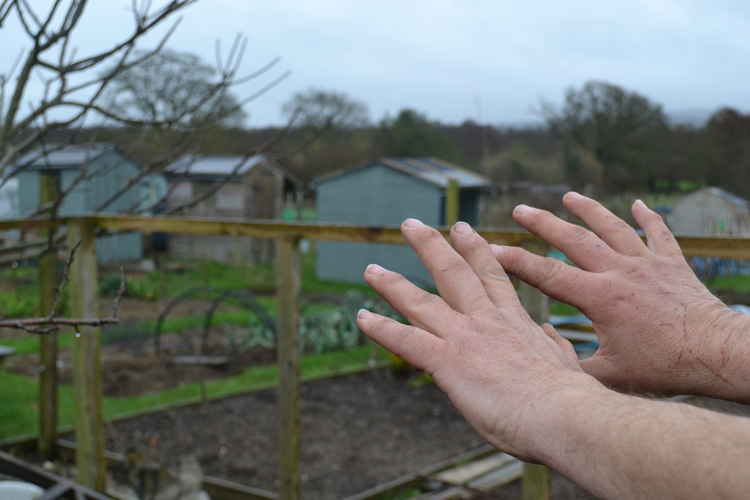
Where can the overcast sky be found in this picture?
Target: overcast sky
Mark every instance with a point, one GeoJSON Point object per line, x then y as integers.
{"type": "Point", "coordinates": [491, 61]}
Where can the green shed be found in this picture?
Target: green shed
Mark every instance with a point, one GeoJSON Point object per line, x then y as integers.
{"type": "Point", "coordinates": [384, 193]}
{"type": "Point", "coordinates": [104, 170]}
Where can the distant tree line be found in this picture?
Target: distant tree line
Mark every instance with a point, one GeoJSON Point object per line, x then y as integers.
{"type": "Point", "coordinates": [602, 138]}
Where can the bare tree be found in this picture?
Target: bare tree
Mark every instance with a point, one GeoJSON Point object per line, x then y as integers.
{"type": "Point", "coordinates": [102, 85]}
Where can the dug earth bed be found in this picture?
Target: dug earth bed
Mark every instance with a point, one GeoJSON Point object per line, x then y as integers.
{"type": "Point", "coordinates": [357, 431]}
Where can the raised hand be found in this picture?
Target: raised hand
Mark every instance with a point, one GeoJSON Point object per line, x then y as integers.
{"type": "Point", "coordinates": [505, 373]}
{"type": "Point", "coordinates": [660, 329]}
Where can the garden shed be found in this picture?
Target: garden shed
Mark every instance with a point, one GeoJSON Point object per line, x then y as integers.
{"type": "Point", "coordinates": [227, 187]}
{"type": "Point", "coordinates": [384, 193]}
{"type": "Point", "coordinates": [98, 171]}
{"type": "Point", "coordinates": [710, 211]}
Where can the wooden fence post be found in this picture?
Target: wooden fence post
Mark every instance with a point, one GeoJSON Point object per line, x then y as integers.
{"type": "Point", "coordinates": [535, 483]}
{"type": "Point", "coordinates": [87, 368]}
{"type": "Point", "coordinates": [288, 275]}
{"type": "Point", "coordinates": [451, 202]}
{"type": "Point", "coordinates": [47, 273]}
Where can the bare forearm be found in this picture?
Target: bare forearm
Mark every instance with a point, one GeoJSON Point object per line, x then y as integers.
{"type": "Point", "coordinates": [625, 447]}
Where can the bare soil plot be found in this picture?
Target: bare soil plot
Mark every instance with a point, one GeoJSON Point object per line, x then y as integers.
{"type": "Point", "coordinates": [357, 431]}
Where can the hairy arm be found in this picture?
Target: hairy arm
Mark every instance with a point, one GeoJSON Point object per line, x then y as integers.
{"type": "Point", "coordinates": [623, 447]}
{"type": "Point", "coordinates": [660, 329]}
{"type": "Point", "coordinates": [521, 386]}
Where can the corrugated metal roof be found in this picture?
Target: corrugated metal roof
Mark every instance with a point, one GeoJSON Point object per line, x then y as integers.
{"type": "Point", "coordinates": [214, 165]}
{"type": "Point", "coordinates": [63, 156]}
{"type": "Point", "coordinates": [432, 170]}
{"type": "Point", "coordinates": [731, 198]}
{"type": "Point", "coordinates": [436, 171]}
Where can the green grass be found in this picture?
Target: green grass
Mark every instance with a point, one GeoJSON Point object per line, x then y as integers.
{"type": "Point", "coordinates": [18, 412]}
{"type": "Point", "coordinates": [739, 283]}
{"type": "Point", "coordinates": [193, 274]}
{"type": "Point", "coordinates": [312, 284]}
{"type": "Point", "coordinates": [562, 309]}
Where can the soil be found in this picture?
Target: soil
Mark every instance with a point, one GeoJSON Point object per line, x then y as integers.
{"type": "Point", "coordinates": [357, 432]}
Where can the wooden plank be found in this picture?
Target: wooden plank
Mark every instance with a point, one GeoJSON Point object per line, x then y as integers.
{"type": "Point", "coordinates": [36, 475]}
{"type": "Point", "coordinates": [499, 477]}
{"type": "Point", "coordinates": [535, 477]}
{"type": "Point", "coordinates": [271, 229]}
{"type": "Point", "coordinates": [394, 486]}
{"type": "Point", "coordinates": [288, 273]}
{"type": "Point", "coordinates": [217, 488]}
{"type": "Point", "coordinates": [87, 369]}
{"type": "Point", "coordinates": [726, 247]}
{"type": "Point", "coordinates": [201, 360]}
{"type": "Point", "coordinates": [452, 493]}
{"type": "Point", "coordinates": [222, 489]}
{"type": "Point", "coordinates": [535, 482]}
{"type": "Point", "coordinates": [451, 202]}
{"type": "Point", "coordinates": [48, 346]}
{"type": "Point", "coordinates": [464, 473]}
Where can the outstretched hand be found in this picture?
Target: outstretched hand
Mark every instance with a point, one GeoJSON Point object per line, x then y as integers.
{"type": "Point", "coordinates": [504, 372]}
{"type": "Point", "coordinates": [660, 329]}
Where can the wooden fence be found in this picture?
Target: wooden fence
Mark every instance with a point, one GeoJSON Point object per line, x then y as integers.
{"type": "Point", "coordinates": [90, 456]}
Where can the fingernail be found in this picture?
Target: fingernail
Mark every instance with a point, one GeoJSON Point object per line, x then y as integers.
{"type": "Point", "coordinates": [462, 227]}
{"type": "Point", "coordinates": [575, 195]}
{"type": "Point", "coordinates": [640, 203]}
{"type": "Point", "coordinates": [523, 210]}
{"type": "Point", "coordinates": [413, 223]}
{"type": "Point", "coordinates": [374, 269]}
{"type": "Point", "coordinates": [363, 314]}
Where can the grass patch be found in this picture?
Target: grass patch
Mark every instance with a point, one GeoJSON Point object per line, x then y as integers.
{"type": "Point", "coordinates": [312, 284]}
{"type": "Point", "coordinates": [739, 283]}
{"type": "Point", "coordinates": [19, 415]}
{"type": "Point", "coordinates": [562, 309]}
{"type": "Point", "coordinates": [192, 274]}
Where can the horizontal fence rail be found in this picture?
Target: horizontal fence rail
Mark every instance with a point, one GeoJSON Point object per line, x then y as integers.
{"type": "Point", "coordinates": [726, 247]}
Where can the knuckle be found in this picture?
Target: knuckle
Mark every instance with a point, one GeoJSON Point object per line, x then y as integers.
{"type": "Point", "coordinates": [424, 301]}
{"type": "Point", "coordinates": [552, 271]}
{"type": "Point", "coordinates": [578, 234]}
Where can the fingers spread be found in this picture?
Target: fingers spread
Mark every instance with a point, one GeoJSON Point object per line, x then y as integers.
{"type": "Point", "coordinates": [458, 284]}
{"type": "Point", "coordinates": [581, 245]}
{"type": "Point", "coordinates": [421, 308]}
{"type": "Point", "coordinates": [660, 238]}
{"type": "Point", "coordinates": [614, 231]}
{"type": "Point", "coordinates": [478, 255]}
{"type": "Point", "coordinates": [415, 345]}
{"type": "Point", "coordinates": [551, 276]}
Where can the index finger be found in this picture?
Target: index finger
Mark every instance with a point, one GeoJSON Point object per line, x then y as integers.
{"type": "Point", "coordinates": [455, 280]}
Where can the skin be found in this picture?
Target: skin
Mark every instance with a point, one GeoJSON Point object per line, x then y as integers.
{"type": "Point", "coordinates": [660, 329]}
{"type": "Point", "coordinates": [520, 384]}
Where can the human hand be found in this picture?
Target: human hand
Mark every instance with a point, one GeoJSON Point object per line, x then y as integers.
{"type": "Point", "coordinates": [506, 374]}
{"type": "Point", "coordinates": [660, 329]}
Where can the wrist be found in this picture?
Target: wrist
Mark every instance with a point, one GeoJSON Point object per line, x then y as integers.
{"type": "Point", "coordinates": [720, 363]}
{"type": "Point", "coordinates": [557, 413]}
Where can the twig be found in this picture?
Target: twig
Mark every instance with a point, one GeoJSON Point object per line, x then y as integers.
{"type": "Point", "coordinates": [52, 323]}
{"type": "Point", "coordinates": [63, 281]}
{"type": "Point", "coordinates": [47, 325]}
